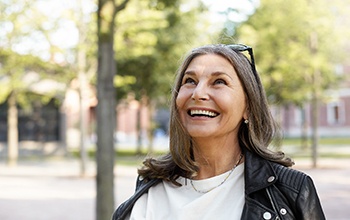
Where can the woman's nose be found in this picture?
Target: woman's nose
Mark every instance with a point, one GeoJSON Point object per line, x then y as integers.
{"type": "Point", "coordinates": [200, 92]}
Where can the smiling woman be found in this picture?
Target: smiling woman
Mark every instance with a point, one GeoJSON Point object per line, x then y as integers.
{"type": "Point", "coordinates": [219, 165]}
{"type": "Point", "coordinates": [210, 85]}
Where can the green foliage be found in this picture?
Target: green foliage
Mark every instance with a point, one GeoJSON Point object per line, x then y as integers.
{"type": "Point", "coordinates": [151, 37]}
{"type": "Point", "coordinates": [26, 45]}
{"type": "Point", "coordinates": [19, 72]}
{"type": "Point", "coordinates": [296, 47]}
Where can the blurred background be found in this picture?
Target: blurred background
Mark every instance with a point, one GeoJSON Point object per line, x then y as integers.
{"type": "Point", "coordinates": [64, 118]}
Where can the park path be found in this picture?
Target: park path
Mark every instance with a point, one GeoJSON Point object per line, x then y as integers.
{"type": "Point", "coordinates": [53, 190]}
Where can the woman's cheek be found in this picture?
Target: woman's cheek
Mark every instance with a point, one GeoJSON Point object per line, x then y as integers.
{"type": "Point", "coordinates": [180, 99]}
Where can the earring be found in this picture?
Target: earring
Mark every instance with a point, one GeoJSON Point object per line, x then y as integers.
{"type": "Point", "coordinates": [246, 121]}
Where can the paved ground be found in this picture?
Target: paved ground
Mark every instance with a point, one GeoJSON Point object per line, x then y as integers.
{"type": "Point", "coordinates": [42, 190]}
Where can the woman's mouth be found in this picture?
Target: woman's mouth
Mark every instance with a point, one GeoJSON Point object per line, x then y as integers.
{"type": "Point", "coordinates": [201, 113]}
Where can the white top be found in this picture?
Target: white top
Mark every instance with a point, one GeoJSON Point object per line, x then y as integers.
{"type": "Point", "coordinates": [167, 201]}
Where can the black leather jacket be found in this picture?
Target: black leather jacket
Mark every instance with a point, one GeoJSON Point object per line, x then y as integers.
{"type": "Point", "coordinates": [272, 191]}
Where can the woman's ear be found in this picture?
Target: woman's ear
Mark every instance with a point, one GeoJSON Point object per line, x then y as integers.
{"type": "Point", "coordinates": [246, 113]}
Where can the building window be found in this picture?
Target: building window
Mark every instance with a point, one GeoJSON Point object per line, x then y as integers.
{"type": "Point", "coordinates": [339, 69]}
{"type": "Point", "coordinates": [335, 113]}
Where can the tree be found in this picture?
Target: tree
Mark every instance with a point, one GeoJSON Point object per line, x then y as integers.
{"type": "Point", "coordinates": [107, 10]}
{"type": "Point", "coordinates": [155, 39]}
{"type": "Point", "coordinates": [18, 73]}
{"type": "Point", "coordinates": [21, 27]}
{"type": "Point", "coordinates": [291, 42]}
{"type": "Point", "coordinates": [80, 14]}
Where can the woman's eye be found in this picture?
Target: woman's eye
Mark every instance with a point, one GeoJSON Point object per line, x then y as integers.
{"type": "Point", "coordinates": [220, 81]}
{"type": "Point", "coordinates": [189, 80]}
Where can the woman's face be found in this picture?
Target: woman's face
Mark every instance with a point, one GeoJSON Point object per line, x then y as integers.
{"type": "Point", "coordinates": [211, 101]}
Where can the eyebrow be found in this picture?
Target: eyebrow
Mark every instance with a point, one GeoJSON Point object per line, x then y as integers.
{"type": "Point", "coordinates": [216, 73]}
{"type": "Point", "coordinates": [191, 73]}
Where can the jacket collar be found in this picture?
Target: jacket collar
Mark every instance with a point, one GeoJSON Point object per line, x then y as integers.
{"type": "Point", "coordinates": [258, 172]}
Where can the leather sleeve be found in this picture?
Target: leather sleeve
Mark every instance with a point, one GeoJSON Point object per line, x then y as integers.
{"type": "Point", "coordinates": [308, 203]}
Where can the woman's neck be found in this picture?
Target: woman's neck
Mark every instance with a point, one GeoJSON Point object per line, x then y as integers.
{"type": "Point", "coordinates": [215, 157]}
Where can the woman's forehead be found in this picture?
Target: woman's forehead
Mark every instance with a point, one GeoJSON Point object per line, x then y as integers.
{"type": "Point", "coordinates": [212, 61]}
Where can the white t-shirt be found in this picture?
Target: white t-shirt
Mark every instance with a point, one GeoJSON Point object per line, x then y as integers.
{"type": "Point", "coordinates": [167, 201]}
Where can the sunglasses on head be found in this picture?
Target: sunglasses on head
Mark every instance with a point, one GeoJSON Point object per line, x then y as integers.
{"type": "Point", "coordinates": [242, 48]}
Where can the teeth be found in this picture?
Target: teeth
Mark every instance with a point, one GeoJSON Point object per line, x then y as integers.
{"type": "Point", "coordinates": [203, 112]}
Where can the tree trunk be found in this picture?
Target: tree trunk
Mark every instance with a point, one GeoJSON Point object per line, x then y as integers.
{"type": "Point", "coordinates": [304, 126]}
{"type": "Point", "coordinates": [314, 101]}
{"type": "Point", "coordinates": [83, 86]}
{"type": "Point", "coordinates": [152, 127]}
{"type": "Point", "coordinates": [82, 123]}
{"type": "Point", "coordinates": [314, 111]}
{"type": "Point", "coordinates": [12, 131]}
{"type": "Point", "coordinates": [278, 143]}
{"type": "Point", "coordinates": [139, 130]}
{"type": "Point", "coordinates": [314, 125]}
{"type": "Point", "coordinates": [105, 111]}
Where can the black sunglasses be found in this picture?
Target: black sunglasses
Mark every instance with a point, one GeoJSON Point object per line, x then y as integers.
{"type": "Point", "coordinates": [241, 48]}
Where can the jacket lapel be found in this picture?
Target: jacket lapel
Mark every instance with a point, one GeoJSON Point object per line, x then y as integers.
{"type": "Point", "coordinates": [258, 173]}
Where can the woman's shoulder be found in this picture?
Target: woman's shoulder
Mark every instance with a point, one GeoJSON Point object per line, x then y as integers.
{"type": "Point", "coordinates": [290, 177]}
{"type": "Point", "coordinates": [277, 172]}
{"type": "Point", "coordinates": [142, 187]}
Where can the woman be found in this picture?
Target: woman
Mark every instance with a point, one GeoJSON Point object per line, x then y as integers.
{"type": "Point", "coordinates": [219, 166]}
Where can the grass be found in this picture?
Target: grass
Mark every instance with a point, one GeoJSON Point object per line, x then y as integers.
{"type": "Point", "coordinates": [122, 157]}
{"type": "Point", "coordinates": [328, 148]}
{"type": "Point", "coordinates": [322, 141]}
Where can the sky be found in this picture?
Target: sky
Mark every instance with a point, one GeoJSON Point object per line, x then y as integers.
{"type": "Point", "coordinates": [218, 7]}
{"type": "Point", "coordinates": [66, 35]}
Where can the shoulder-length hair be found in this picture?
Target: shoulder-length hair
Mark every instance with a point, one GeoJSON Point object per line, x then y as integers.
{"type": "Point", "coordinates": [255, 136]}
